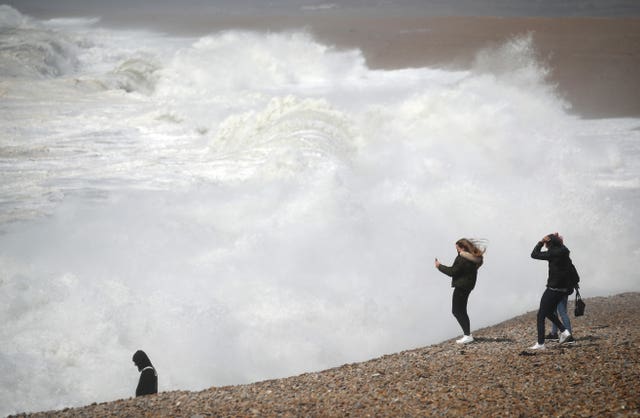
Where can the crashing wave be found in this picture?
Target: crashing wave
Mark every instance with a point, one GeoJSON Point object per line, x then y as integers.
{"type": "Point", "coordinates": [135, 75]}
{"type": "Point", "coordinates": [288, 136]}
{"type": "Point", "coordinates": [28, 50]}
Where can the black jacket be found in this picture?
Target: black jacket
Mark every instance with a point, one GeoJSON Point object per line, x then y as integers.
{"type": "Point", "coordinates": [148, 383]}
{"type": "Point", "coordinates": [559, 264]}
{"type": "Point", "coordinates": [463, 272]}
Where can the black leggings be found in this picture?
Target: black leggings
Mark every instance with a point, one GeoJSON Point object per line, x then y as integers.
{"type": "Point", "coordinates": [548, 306]}
{"type": "Point", "coordinates": [459, 308]}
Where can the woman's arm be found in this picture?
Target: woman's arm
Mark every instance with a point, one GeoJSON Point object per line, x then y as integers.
{"type": "Point", "coordinates": [537, 254]}
{"type": "Point", "coordinates": [453, 270]}
{"type": "Point", "coordinates": [552, 252]}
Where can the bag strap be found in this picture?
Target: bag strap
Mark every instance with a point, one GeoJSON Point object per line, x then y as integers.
{"type": "Point", "coordinates": [150, 367]}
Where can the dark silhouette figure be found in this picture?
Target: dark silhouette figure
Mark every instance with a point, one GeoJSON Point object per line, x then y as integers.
{"type": "Point", "coordinates": [148, 383]}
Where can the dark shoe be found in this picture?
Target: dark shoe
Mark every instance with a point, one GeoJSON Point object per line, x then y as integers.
{"type": "Point", "coordinates": [552, 337]}
{"type": "Point", "coordinates": [569, 340]}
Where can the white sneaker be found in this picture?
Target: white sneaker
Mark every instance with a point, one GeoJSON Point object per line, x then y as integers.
{"type": "Point", "coordinates": [564, 335]}
{"type": "Point", "coordinates": [538, 346]}
{"type": "Point", "coordinates": [465, 339]}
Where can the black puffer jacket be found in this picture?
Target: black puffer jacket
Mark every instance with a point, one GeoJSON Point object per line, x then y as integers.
{"type": "Point", "coordinates": [463, 272]}
{"type": "Point", "coordinates": [559, 264]}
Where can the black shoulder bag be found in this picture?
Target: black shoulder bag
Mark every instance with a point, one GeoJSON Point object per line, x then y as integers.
{"type": "Point", "coordinates": [580, 305]}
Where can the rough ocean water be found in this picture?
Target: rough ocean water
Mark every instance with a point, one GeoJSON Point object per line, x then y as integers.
{"type": "Point", "coordinates": [244, 206]}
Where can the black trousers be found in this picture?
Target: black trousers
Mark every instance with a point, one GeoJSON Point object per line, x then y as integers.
{"type": "Point", "coordinates": [548, 307]}
{"type": "Point", "coordinates": [459, 308]}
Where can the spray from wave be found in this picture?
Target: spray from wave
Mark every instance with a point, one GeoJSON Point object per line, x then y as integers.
{"type": "Point", "coordinates": [246, 206]}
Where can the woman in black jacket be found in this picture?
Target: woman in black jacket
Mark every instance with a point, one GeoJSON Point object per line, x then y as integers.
{"type": "Point", "coordinates": [463, 273]}
{"type": "Point", "coordinates": [557, 284]}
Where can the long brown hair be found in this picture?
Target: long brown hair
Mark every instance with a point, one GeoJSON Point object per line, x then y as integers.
{"type": "Point", "coordinates": [473, 246]}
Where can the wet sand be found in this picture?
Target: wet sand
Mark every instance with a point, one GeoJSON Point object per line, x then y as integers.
{"type": "Point", "coordinates": [494, 376]}
{"type": "Point", "coordinates": [595, 62]}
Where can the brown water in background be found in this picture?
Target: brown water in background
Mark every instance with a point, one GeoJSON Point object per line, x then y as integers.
{"type": "Point", "coordinates": [595, 62]}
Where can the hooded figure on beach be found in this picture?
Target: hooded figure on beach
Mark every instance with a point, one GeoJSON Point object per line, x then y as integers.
{"type": "Point", "coordinates": [148, 383]}
{"type": "Point", "coordinates": [463, 273]}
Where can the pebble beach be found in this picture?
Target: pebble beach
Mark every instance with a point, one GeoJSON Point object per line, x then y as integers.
{"type": "Point", "coordinates": [496, 375]}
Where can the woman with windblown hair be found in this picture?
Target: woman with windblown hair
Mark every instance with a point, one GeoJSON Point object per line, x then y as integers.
{"type": "Point", "coordinates": [463, 273]}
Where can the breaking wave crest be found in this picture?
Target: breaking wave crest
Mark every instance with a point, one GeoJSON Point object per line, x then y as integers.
{"type": "Point", "coordinates": [29, 50]}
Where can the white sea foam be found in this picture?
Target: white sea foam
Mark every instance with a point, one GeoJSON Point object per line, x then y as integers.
{"type": "Point", "coordinates": [246, 206]}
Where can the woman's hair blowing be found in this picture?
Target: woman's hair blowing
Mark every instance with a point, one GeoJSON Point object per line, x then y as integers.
{"type": "Point", "coordinates": [473, 246]}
